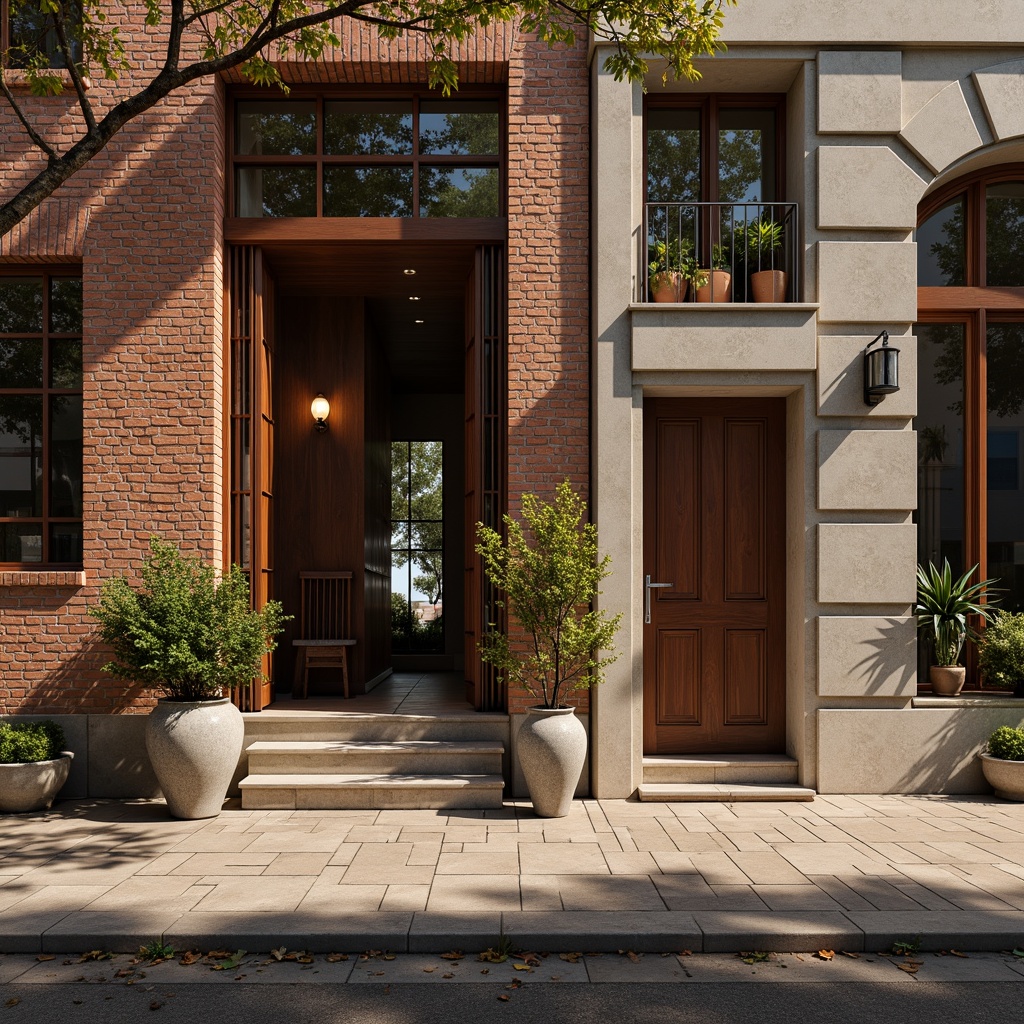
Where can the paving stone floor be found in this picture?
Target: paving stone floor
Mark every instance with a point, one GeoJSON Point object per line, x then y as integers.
{"type": "Point", "coordinates": [854, 871]}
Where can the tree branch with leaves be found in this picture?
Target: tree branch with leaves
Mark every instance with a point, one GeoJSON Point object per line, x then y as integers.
{"type": "Point", "coordinates": [204, 38]}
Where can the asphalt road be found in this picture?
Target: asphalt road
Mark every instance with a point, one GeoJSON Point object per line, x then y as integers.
{"type": "Point", "coordinates": [726, 1003]}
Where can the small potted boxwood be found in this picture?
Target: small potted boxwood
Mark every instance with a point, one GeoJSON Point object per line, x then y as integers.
{"type": "Point", "coordinates": [1001, 652]}
{"type": "Point", "coordinates": [188, 631]}
{"type": "Point", "coordinates": [1002, 761]}
{"type": "Point", "coordinates": [33, 765]}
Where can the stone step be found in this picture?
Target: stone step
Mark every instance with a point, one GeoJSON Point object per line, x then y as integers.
{"type": "Point", "coordinates": [370, 792]}
{"type": "Point", "coordinates": [298, 726]}
{"type": "Point", "coordinates": [725, 792]}
{"type": "Point", "coordinates": [360, 757]}
{"type": "Point", "coordinates": [759, 769]}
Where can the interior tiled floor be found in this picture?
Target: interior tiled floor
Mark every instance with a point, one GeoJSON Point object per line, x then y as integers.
{"type": "Point", "coordinates": [402, 693]}
{"type": "Point", "coordinates": [843, 854]}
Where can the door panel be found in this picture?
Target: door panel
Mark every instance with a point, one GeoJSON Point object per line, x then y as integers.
{"type": "Point", "coordinates": [714, 528]}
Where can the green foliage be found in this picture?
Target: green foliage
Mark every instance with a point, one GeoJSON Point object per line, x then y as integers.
{"type": "Point", "coordinates": [27, 742]}
{"type": "Point", "coordinates": [187, 630]}
{"type": "Point", "coordinates": [1007, 744]}
{"type": "Point", "coordinates": [944, 605]}
{"type": "Point", "coordinates": [763, 238]}
{"type": "Point", "coordinates": [549, 574]}
{"type": "Point", "coordinates": [674, 255]}
{"type": "Point", "coordinates": [1001, 652]}
{"type": "Point", "coordinates": [156, 950]}
{"type": "Point", "coordinates": [409, 633]}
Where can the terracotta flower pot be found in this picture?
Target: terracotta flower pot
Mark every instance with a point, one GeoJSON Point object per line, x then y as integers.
{"type": "Point", "coordinates": [668, 286]}
{"type": "Point", "coordinates": [1005, 777]}
{"type": "Point", "coordinates": [718, 288]}
{"type": "Point", "coordinates": [194, 747]}
{"type": "Point", "coordinates": [947, 680]}
{"type": "Point", "coordinates": [552, 746]}
{"type": "Point", "coordinates": [769, 285]}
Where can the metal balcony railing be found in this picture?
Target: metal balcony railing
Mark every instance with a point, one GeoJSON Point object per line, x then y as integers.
{"type": "Point", "coordinates": [716, 252]}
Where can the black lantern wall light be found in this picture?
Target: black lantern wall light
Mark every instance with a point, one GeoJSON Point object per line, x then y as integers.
{"type": "Point", "coordinates": [881, 370]}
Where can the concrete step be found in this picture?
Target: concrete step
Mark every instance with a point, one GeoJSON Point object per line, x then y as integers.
{"type": "Point", "coordinates": [726, 792]}
{"type": "Point", "coordinates": [371, 792]}
{"type": "Point", "coordinates": [299, 726]}
{"type": "Point", "coordinates": [360, 757]}
{"type": "Point", "coordinates": [758, 769]}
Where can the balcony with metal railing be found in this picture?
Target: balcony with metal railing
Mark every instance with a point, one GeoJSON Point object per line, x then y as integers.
{"type": "Point", "coordinates": [718, 288]}
{"type": "Point", "coordinates": [719, 252]}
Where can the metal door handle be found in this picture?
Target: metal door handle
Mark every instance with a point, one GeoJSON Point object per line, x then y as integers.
{"type": "Point", "coordinates": [648, 587]}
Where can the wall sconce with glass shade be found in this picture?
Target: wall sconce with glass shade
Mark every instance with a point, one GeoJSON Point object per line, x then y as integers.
{"type": "Point", "coordinates": [321, 409]}
{"type": "Point", "coordinates": [881, 370]}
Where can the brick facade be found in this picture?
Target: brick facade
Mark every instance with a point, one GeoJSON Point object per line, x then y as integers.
{"type": "Point", "coordinates": [152, 264]}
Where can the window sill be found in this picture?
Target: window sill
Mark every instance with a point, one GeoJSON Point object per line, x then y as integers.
{"type": "Point", "coordinates": [970, 700]}
{"type": "Point", "coordinates": [19, 81]}
{"type": "Point", "coordinates": [42, 578]}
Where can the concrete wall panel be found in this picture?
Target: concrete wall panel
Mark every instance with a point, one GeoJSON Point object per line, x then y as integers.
{"type": "Point", "coordinates": [867, 563]}
{"type": "Point", "coordinates": [944, 130]}
{"type": "Point", "coordinates": [1001, 89]}
{"type": "Point", "coordinates": [859, 91]}
{"type": "Point", "coordinates": [737, 338]}
{"type": "Point", "coordinates": [867, 656]}
{"type": "Point", "coordinates": [841, 378]}
{"type": "Point", "coordinates": [866, 187]}
{"type": "Point", "coordinates": [118, 763]}
{"type": "Point", "coordinates": [867, 469]}
{"type": "Point", "coordinates": [867, 281]}
{"type": "Point", "coordinates": [923, 750]}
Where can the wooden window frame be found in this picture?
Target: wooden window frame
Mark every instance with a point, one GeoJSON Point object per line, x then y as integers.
{"type": "Point", "coordinates": [974, 305]}
{"type": "Point", "coordinates": [45, 520]}
{"type": "Point", "coordinates": [413, 160]}
{"type": "Point", "coordinates": [710, 106]}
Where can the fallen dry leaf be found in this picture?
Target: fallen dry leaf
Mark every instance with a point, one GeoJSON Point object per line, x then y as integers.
{"type": "Point", "coordinates": [634, 957]}
{"type": "Point", "coordinates": [12, 1002]}
{"type": "Point", "coordinates": [826, 954]}
{"type": "Point", "coordinates": [570, 958]}
{"type": "Point", "coordinates": [280, 953]}
{"type": "Point", "coordinates": [189, 958]}
{"type": "Point", "coordinates": [429, 970]}
{"type": "Point", "coordinates": [852, 956]}
{"type": "Point", "coordinates": [956, 952]}
{"type": "Point", "coordinates": [910, 966]}
{"type": "Point", "coordinates": [455, 954]}
{"type": "Point", "coordinates": [336, 958]}
{"type": "Point", "coordinates": [530, 959]}
{"type": "Point", "coordinates": [95, 954]}
{"type": "Point", "coordinates": [685, 952]}
{"type": "Point", "coordinates": [485, 970]}
{"type": "Point", "coordinates": [155, 1005]}
{"type": "Point", "coordinates": [448, 975]}
{"type": "Point", "coordinates": [523, 967]}
{"type": "Point", "coordinates": [45, 956]}
{"type": "Point", "coordinates": [503, 999]}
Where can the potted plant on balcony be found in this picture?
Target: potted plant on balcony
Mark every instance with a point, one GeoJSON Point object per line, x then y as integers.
{"type": "Point", "coordinates": [188, 632]}
{"type": "Point", "coordinates": [763, 249]}
{"type": "Point", "coordinates": [1001, 652]}
{"type": "Point", "coordinates": [33, 765]}
{"type": "Point", "coordinates": [670, 269]}
{"type": "Point", "coordinates": [714, 283]}
{"type": "Point", "coordinates": [1002, 762]}
{"type": "Point", "coordinates": [548, 576]}
{"type": "Point", "coordinates": [943, 608]}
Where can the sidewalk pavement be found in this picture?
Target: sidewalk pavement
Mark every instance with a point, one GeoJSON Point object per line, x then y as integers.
{"type": "Point", "coordinates": [851, 873]}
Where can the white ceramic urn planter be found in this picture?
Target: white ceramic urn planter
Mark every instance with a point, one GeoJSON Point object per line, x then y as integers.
{"type": "Point", "coordinates": [552, 746]}
{"type": "Point", "coordinates": [31, 786]}
{"type": "Point", "coordinates": [194, 748]}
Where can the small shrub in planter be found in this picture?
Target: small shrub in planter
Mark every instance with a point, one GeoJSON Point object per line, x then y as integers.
{"type": "Point", "coordinates": [1002, 762]}
{"type": "Point", "coordinates": [1001, 652]}
{"type": "Point", "coordinates": [33, 765]}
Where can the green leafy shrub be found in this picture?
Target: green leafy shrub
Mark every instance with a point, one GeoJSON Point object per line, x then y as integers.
{"type": "Point", "coordinates": [188, 630]}
{"type": "Point", "coordinates": [1001, 651]}
{"type": "Point", "coordinates": [1007, 743]}
{"type": "Point", "coordinates": [26, 742]}
{"type": "Point", "coordinates": [548, 583]}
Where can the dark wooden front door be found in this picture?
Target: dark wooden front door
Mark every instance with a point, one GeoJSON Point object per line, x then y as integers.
{"type": "Point", "coordinates": [714, 528]}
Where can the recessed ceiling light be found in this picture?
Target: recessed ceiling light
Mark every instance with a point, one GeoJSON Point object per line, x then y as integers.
{"type": "Point", "coordinates": [414, 298]}
{"type": "Point", "coordinates": [409, 273]}
{"type": "Point", "coordinates": [419, 321]}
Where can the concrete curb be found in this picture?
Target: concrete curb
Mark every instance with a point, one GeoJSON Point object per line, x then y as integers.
{"type": "Point", "coordinates": [586, 931]}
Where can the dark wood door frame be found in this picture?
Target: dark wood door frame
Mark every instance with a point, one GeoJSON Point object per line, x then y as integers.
{"type": "Point", "coordinates": [715, 529]}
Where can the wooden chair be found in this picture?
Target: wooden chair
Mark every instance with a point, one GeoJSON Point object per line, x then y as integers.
{"type": "Point", "coordinates": [325, 627]}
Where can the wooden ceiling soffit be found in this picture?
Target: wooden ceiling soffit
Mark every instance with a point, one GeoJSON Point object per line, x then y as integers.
{"type": "Point", "coordinates": [269, 230]}
{"type": "Point", "coordinates": [365, 59]}
{"type": "Point", "coordinates": [54, 232]}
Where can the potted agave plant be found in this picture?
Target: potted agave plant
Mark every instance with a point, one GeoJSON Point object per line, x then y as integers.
{"type": "Point", "coordinates": [670, 269]}
{"type": "Point", "coordinates": [548, 575]}
{"type": "Point", "coordinates": [188, 632]}
{"type": "Point", "coordinates": [943, 608]}
{"type": "Point", "coordinates": [763, 252]}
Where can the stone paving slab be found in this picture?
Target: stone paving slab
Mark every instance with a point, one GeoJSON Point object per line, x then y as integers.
{"type": "Point", "coordinates": [845, 872]}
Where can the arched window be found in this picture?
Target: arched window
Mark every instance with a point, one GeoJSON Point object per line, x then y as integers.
{"type": "Point", "coordinates": [970, 419]}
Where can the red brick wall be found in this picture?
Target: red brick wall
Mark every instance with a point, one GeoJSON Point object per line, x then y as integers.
{"type": "Point", "coordinates": [548, 271]}
{"type": "Point", "coordinates": [153, 294]}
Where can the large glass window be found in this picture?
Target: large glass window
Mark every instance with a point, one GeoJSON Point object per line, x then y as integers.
{"type": "Point", "coordinates": [367, 158]}
{"type": "Point", "coordinates": [970, 418]}
{"type": "Point", "coordinates": [417, 547]}
{"type": "Point", "coordinates": [40, 419]}
{"type": "Point", "coordinates": [28, 28]}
